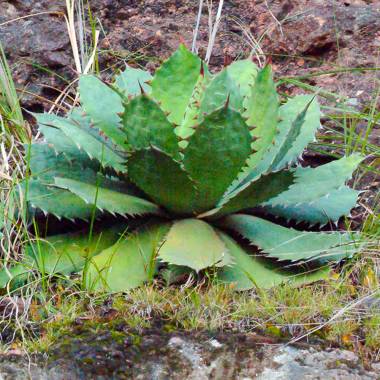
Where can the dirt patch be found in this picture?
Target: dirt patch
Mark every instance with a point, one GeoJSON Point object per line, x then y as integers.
{"type": "Point", "coordinates": [314, 36]}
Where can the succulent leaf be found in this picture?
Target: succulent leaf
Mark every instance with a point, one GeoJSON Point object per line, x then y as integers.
{"type": "Point", "coordinates": [330, 207]}
{"type": "Point", "coordinates": [310, 184]}
{"type": "Point", "coordinates": [221, 89]}
{"type": "Point", "coordinates": [163, 179]}
{"type": "Point", "coordinates": [288, 244]}
{"type": "Point", "coordinates": [58, 202]}
{"type": "Point", "coordinates": [104, 193]}
{"type": "Point", "coordinates": [215, 154]}
{"type": "Point", "coordinates": [45, 163]}
{"type": "Point", "coordinates": [262, 112]}
{"type": "Point", "coordinates": [87, 139]}
{"type": "Point", "coordinates": [244, 73]}
{"type": "Point", "coordinates": [67, 253]}
{"type": "Point", "coordinates": [291, 137]}
{"type": "Point", "coordinates": [193, 115]}
{"type": "Point", "coordinates": [174, 81]}
{"type": "Point", "coordinates": [249, 271]}
{"type": "Point", "coordinates": [103, 105]}
{"type": "Point", "coordinates": [132, 80]}
{"type": "Point", "coordinates": [195, 244]}
{"type": "Point", "coordinates": [301, 108]}
{"type": "Point", "coordinates": [127, 264]}
{"type": "Point", "coordinates": [60, 142]}
{"type": "Point", "coordinates": [254, 194]}
{"type": "Point", "coordinates": [145, 124]}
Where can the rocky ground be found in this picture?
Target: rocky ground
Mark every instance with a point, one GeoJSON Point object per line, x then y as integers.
{"type": "Point", "coordinates": [154, 355]}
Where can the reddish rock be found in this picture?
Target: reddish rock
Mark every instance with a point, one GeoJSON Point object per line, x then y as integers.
{"type": "Point", "coordinates": [302, 36]}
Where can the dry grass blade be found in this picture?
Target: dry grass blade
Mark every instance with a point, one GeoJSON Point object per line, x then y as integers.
{"type": "Point", "coordinates": [196, 30]}
{"type": "Point", "coordinates": [213, 27]}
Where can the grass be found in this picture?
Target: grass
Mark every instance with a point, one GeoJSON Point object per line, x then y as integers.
{"type": "Point", "coordinates": [11, 119]}
{"type": "Point", "coordinates": [332, 310]}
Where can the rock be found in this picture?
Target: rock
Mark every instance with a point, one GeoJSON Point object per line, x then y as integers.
{"type": "Point", "coordinates": [326, 33]}
{"type": "Point", "coordinates": [179, 356]}
{"type": "Point", "coordinates": [291, 363]}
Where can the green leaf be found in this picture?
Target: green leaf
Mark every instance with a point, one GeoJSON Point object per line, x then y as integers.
{"type": "Point", "coordinates": [127, 264]}
{"type": "Point", "coordinates": [64, 145]}
{"type": "Point", "coordinates": [195, 244]}
{"type": "Point", "coordinates": [244, 73]}
{"type": "Point", "coordinates": [215, 154]}
{"type": "Point", "coordinates": [221, 89]}
{"type": "Point", "coordinates": [288, 244]}
{"type": "Point", "coordinates": [58, 202]}
{"type": "Point", "coordinates": [131, 80]}
{"type": "Point", "coordinates": [262, 112]}
{"type": "Point", "coordinates": [45, 163]}
{"type": "Point", "coordinates": [103, 105]}
{"type": "Point", "coordinates": [106, 194]}
{"type": "Point", "coordinates": [145, 124]}
{"type": "Point", "coordinates": [163, 180]}
{"type": "Point", "coordinates": [330, 207]}
{"type": "Point", "coordinates": [249, 271]}
{"type": "Point", "coordinates": [15, 274]}
{"type": "Point", "coordinates": [290, 139]}
{"type": "Point", "coordinates": [301, 108]}
{"type": "Point", "coordinates": [68, 253]}
{"type": "Point", "coordinates": [232, 84]}
{"type": "Point", "coordinates": [87, 139]}
{"type": "Point", "coordinates": [310, 184]}
{"type": "Point", "coordinates": [254, 194]}
{"type": "Point", "coordinates": [174, 81]}
{"type": "Point", "coordinates": [193, 115]}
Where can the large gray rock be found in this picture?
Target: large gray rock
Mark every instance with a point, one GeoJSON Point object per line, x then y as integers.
{"type": "Point", "coordinates": [183, 356]}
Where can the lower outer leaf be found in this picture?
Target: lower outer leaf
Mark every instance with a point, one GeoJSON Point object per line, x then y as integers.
{"type": "Point", "coordinates": [108, 198]}
{"type": "Point", "coordinates": [15, 275]}
{"type": "Point", "coordinates": [87, 139]}
{"type": "Point", "coordinates": [288, 244]}
{"type": "Point", "coordinates": [59, 202]}
{"type": "Point", "coordinates": [127, 264]}
{"type": "Point", "coordinates": [67, 253]}
{"type": "Point", "coordinates": [250, 271]}
{"type": "Point", "coordinates": [195, 244]}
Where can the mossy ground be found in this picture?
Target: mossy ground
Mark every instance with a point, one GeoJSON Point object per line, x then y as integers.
{"type": "Point", "coordinates": [343, 311]}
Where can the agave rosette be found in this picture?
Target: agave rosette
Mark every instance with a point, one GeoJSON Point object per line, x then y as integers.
{"type": "Point", "coordinates": [194, 156]}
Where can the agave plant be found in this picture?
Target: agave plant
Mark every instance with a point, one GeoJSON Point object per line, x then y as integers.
{"type": "Point", "coordinates": [201, 164]}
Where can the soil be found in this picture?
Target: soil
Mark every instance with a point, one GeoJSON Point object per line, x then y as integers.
{"type": "Point", "coordinates": [302, 37]}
